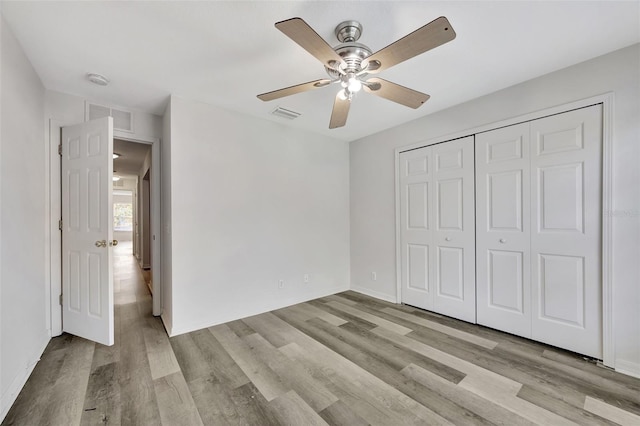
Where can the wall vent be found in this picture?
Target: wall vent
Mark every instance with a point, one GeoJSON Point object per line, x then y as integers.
{"type": "Point", "coordinates": [285, 113]}
{"type": "Point", "coordinates": [122, 119]}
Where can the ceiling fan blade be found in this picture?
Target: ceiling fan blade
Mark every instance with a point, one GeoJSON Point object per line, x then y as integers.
{"type": "Point", "coordinates": [300, 32]}
{"type": "Point", "coordinates": [292, 90]}
{"type": "Point", "coordinates": [434, 34]}
{"type": "Point", "coordinates": [340, 111]}
{"type": "Point", "coordinates": [394, 92]}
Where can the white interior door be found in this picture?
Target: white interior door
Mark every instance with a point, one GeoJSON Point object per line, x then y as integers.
{"type": "Point", "coordinates": [453, 257]}
{"type": "Point", "coordinates": [87, 222]}
{"type": "Point", "coordinates": [503, 234]}
{"type": "Point", "coordinates": [566, 186]}
{"type": "Point", "coordinates": [416, 181]}
{"type": "Point", "coordinates": [437, 228]}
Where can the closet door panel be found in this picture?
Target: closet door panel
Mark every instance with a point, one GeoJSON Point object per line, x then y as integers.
{"type": "Point", "coordinates": [566, 230]}
{"type": "Point", "coordinates": [416, 227]}
{"type": "Point", "coordinates": [454, 232]}
{"type": "Point", "coordinates": [502, 235]}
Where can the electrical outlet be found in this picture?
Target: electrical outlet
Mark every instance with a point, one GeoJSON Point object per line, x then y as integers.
{"type": "Point", "coordinates": [281, 284]}
{"type": "Point", "coordinates": [374, 276]}
{"type": "Point", "coordinates": [306, 278]}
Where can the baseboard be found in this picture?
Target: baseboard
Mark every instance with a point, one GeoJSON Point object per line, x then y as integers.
{"type": "Point", "coordinates": [629, 368]}
{"type": "Point", "coordinates": [175, 331]}
{"type": "Point", "coordinates": [9, 396]}
{"type": "Point", "coordinates": [373, 293]}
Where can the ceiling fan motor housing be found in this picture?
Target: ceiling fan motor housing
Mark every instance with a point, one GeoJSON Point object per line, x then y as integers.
{"type": "Point", "coordinates": [351, 52]}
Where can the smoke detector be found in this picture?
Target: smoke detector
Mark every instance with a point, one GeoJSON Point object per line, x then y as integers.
{"type": "Point", "coordinates": [98, 79]}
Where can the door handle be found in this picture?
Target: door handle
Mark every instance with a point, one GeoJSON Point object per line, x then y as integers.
{"type": "Point", "coordinates": [448, 239]}
{"type": "Point", "coordinates": [113, 243]}
{"type": "Point", "coordinates": [101, 243]}
{"type": "Point", "coordinates": [502, 240]}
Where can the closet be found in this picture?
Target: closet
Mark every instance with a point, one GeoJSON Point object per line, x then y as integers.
{"type": "Point", "coordinates": [535, 230]}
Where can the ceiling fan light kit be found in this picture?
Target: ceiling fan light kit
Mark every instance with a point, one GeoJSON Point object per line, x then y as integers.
{"type": "Point", "coordinates": [351, 63]}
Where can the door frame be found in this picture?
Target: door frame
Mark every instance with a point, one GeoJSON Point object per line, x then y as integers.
{"type": "Point", "coordinates": [53, 250]}
{"type": "Point", "coordinates": [607, 101]}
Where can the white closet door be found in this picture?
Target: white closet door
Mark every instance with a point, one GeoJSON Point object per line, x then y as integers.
{"type": "Point", "coordinates": [416, 229]}
{"type": "Point", "coordinates": [437, 228]}
{"type": "Point", "coordinates": [453, 257]}
{"type": "Point", "coordinates": [503, 234]}
{"type": "Point", "coordinates": [566, 230]}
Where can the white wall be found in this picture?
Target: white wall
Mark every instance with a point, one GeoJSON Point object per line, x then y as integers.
{"type": "Point", "coordinates": [165, 220]}
{"type": "Point", "coordinates": [373, 193]}
{"type": "Point", "coordinates": [24, 294]}
{"type": "Point", "coordinates": [252, 202]}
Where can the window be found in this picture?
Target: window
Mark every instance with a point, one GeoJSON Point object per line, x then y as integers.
{"type": "Point", "coordinates": [122, 212]}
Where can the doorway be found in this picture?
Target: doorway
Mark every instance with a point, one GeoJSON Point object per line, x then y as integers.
{"type": "Point", "coordinates": [152, 163]}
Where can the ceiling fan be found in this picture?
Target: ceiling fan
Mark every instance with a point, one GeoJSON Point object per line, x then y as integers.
{"type": "Point", "coordinates": [350, 63]}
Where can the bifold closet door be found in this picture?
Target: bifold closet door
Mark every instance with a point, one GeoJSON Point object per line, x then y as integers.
{"type": "Point", "coordinates": [503, 234]}
{"type": "Point", "coordinates": [538, 195]}
{"type": "Point", "coordinates": [566, 152]}
{"type": "Point", "coordinates": [438, 228]}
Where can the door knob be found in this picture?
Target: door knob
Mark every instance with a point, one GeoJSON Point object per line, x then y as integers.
{"type": "Point", "coordinates": [502, 240]}
{"type": "Point", "coordinates": [101, 243]}
{"type": "Point", "coordinates": [113, 243]}
{"type": "Point", "coordinates": [448, 239]}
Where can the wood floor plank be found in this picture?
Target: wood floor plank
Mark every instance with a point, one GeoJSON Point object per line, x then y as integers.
{"type": "Point", "coordinates": [485, 409]}
{"type": "Point", "coordinates": [314, 312]}
{"type": "Point", "coordinates": [403, 408]}
{"type": "Point", "coordinates": [558, 406]}
{"type": "Point", "coordinates": [507, 365]}
{"type": "Point", "coordinates": [241, 328]}
{"type": "Point", "coordinates": [294, 376]}
{"type": "Point", "coordinates": [611, 412]}
{"type": "Point", "coordinates": [395, 356]}
{"type": "Point", "coordinates": [66, 400]}
{"type": "Point", "coordinates": [500, 383]}
{"type": "Point", "coordinates": [265, 379]}
{"type": "Point", "coordinates": [273, 329]}
{"type": "Point", "coordinates": [162, 360]}
{"type": "Point", "coordinates": [137, 395]}
{"type": "Point", "coordinates": [381, 322]}
{"type": "Point", "coordinates": [337, 379]}
{"type": "Point", "coordinates": [471, 338]}
{"type": "Point", "coordinates": [175, 402]}
{"type": "Point", "coordinates": [102, 401]}
{"type": "Point", "coordinates": [349, 346]}
{"type": "Point", "coordinates": [290, 409]}
{"type": "Point", "coordinates": [340, 413]}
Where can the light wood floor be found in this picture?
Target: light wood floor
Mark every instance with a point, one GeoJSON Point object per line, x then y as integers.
{"type": "Point", "coordinates": [346, 359]}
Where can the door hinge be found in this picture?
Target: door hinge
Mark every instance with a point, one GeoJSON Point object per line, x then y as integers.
{"type": "Point", "coordinates": [60, 300]}
{"type": "Point", "coordinates": [60, 224]}
{"type": "Point", "coordinates": [60, 150]}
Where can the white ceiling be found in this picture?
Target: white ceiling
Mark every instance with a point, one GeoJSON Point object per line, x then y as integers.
{"type": "Point", "coordinates": [225, 53]}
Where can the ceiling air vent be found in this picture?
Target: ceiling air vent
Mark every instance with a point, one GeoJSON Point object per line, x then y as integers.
{"type": "Point", "coordinates": [122, 119]}
{"type": "Point", "coordinates": [285, 113]}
